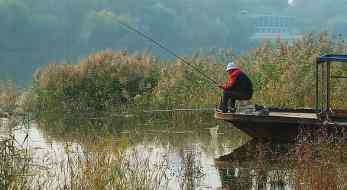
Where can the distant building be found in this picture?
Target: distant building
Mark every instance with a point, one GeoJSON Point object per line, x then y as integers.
{"type": "Point", "coordinates": [274, 27]}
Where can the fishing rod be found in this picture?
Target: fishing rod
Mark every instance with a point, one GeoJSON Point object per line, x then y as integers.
{"type": "Point", "coordinates": [160, 45]}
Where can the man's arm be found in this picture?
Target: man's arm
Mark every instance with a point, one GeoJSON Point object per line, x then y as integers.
{"type": "Point", "coordinates": [231, 80]}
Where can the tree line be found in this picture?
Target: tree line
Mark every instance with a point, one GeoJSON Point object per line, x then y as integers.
{"type": "Point", "coordinates": [36, 32]}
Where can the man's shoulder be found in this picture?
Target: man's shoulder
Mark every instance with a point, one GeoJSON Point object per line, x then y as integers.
{"type": "Point", "coordinates": [237, 72]}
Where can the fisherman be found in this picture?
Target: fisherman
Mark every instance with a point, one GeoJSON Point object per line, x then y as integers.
{"type": "Point", "coordinates": [238, 87]}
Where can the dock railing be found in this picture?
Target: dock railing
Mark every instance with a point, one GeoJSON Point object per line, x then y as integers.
{"type": "Point", "coordinates": [323, 91]}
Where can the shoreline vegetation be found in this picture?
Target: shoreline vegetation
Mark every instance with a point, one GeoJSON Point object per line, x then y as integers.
{"type": "Point", "coordinates": [117, 86]}
{"type": "Point", "coordinates": [282, 73]}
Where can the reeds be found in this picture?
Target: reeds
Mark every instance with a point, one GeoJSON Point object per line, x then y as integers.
{"type": "Point", "coordinates": [316, 160]}
{"type": "Point", "coordinates": [182, 87]}
{"type": "Point", "coordinates": [14, 164]}
{"type": "Point", "coordinates": [283, 72]}
{"type": "Point", "coordinates": [113, 168]}
{"type": "Point", "coordinates": [320, 160]}
{"type": "Point", "coordinates": [98, 83]}
{"type": "Point", "coordinates": [98, 164]}
{"type": "Point", "coordinates": [8, 97]}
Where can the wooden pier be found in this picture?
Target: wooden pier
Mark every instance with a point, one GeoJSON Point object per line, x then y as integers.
{"type": "Point", "coordinates": [280, 126]}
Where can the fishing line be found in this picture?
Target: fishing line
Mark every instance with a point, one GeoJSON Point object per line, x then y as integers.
{"type": "Point", "coordinates": [158, 44]}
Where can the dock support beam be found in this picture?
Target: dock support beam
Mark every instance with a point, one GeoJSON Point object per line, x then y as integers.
{"type": "Point", "coordinates": [328, 108]}
{"type": "Point", "coordinates": [317, 88]}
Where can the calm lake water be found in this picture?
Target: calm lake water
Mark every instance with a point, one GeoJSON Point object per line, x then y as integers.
{"type": "Point", "coordinates": [188, 147]}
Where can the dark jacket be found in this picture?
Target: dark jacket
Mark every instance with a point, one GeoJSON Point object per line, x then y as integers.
{"type": "Point", "coordinates": [239, 82]}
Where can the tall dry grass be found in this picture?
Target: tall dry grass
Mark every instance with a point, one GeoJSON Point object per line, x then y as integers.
{"type": "Point", "coordinates": [101, 82]}
{"type": "Point", "coordinates": [314, 162]}
{"type": "Point", "coordinates": [283, 75]}
{"type": "Point", "coordinates": [283, 72]}
{"type": "Point", "coordinates": [320, 160]}
{"type": "Point", "coordinates": [182, 87]}
{"type": "Point", "coordinates": [106, 165]}
{"type": "Point", "coordinates": [15, 164]}
{"type": "Point", "coordinates": [8, 96]}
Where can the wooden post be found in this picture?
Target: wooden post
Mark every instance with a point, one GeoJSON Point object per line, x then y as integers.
{"type": "Point", "coordinates": [328, 108]}
{"type": "Point", "coordinates": [317, 87]}
{"type": "Point", "coordinates": [322, 88]}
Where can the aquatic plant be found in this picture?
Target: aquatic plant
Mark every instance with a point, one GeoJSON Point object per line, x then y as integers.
{"type": "Point", "coordinates": [283, 75]}
{"type": "Point", "coordinates": [181, 87]}
{"type": "Point", "coordinates": [316, 160]}
{"type": "Point", "coordinates": [283, 72]}
{"type": "Point", "coordinates": [8, 96]}
{"type": "Point", "coordinates": [99, 83]}
{"type": "Point", "coordinates": [102, 164]}
{"type": "Point", "coordinates": [320, 160]}
{"type": "Point", "coordinates": [14, 164]}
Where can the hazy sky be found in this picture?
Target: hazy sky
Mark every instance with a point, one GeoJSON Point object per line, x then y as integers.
{"type": "Point", "coordinates": [291, 2]}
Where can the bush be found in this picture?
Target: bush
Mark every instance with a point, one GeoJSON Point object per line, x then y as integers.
{"type": "Point", "coordinates": [8, 96]}
{"type": "Point", "coordinates": [101, 82]}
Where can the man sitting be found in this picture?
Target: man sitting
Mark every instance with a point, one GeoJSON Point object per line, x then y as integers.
{"type": "Point", "coordinates": [238, 87]}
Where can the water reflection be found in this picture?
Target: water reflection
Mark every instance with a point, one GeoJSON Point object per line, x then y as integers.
{"type": "Point", "coordinates": [306, 165]}
{"type": "Point", "coordinates": [187, 148]}
{"type": "Point", "coordinates": [256, 165]}
{"type": "Point", "coordinates": [185, 153]}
